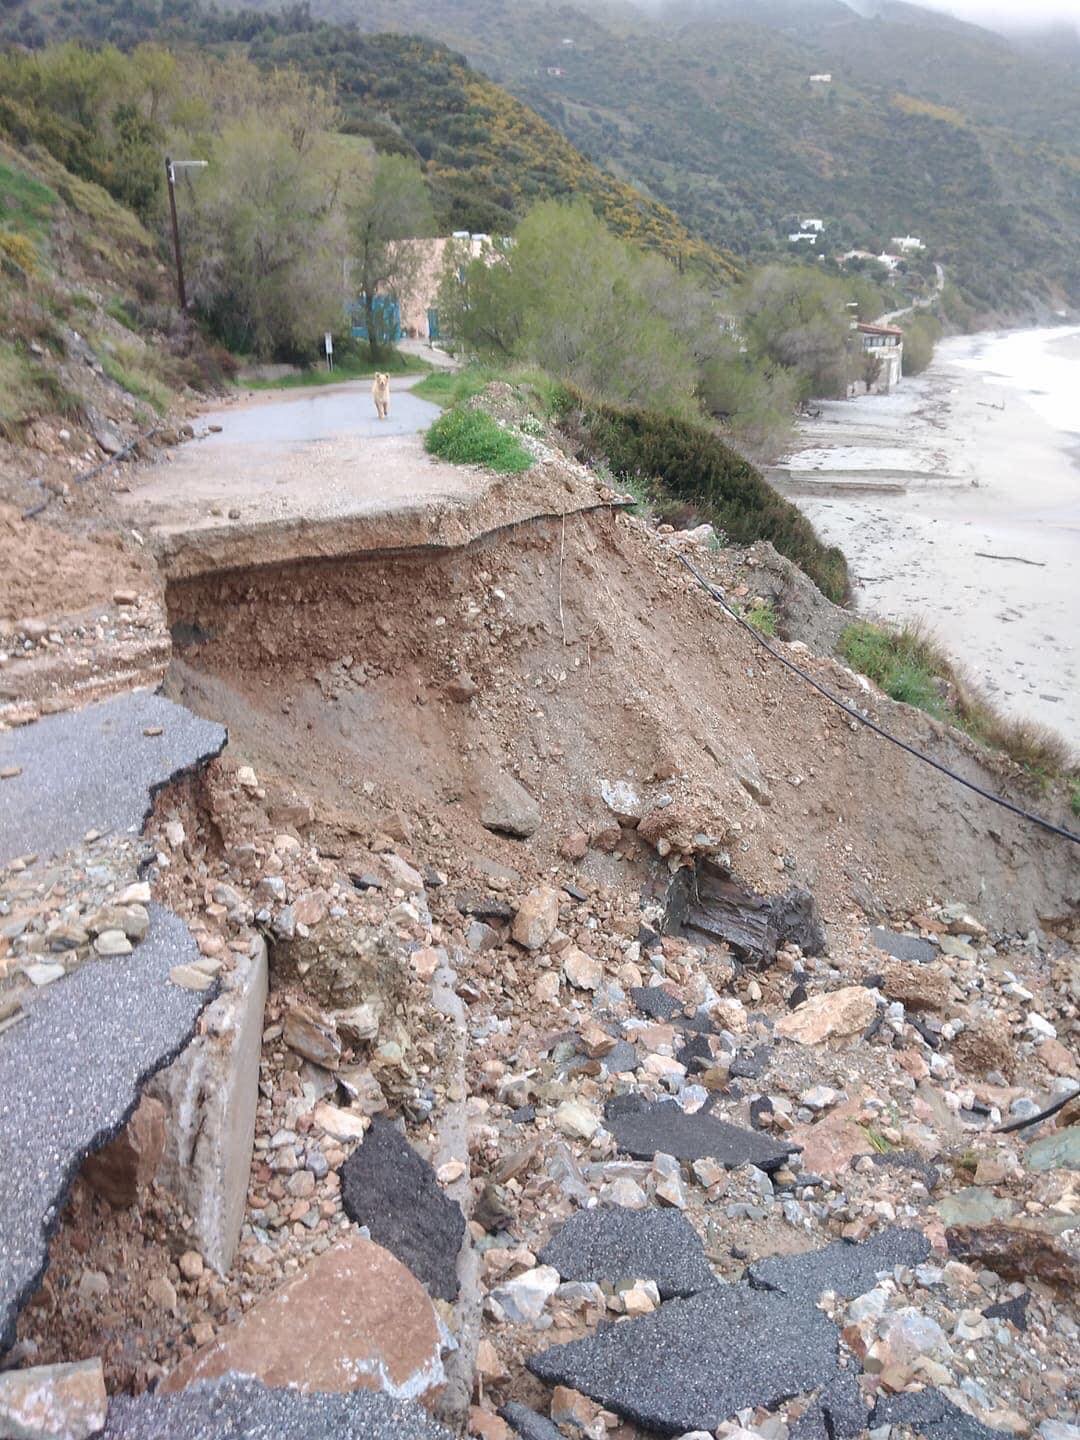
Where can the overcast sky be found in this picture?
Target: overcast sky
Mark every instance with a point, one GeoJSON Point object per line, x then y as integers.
{"type": "Point", "coordinates": [1009, 13]}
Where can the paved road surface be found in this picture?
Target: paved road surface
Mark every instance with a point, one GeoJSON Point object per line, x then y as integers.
{"type": "Point", "coordinates": [297, 418]}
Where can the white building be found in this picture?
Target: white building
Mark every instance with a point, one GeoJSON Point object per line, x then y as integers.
{"type": "Point", "coordinates": [808, 235]}
{"type": "Point", "coordinates": [816, 225]}
{"type": "Point", "coordinates": [823, 79]}
{"type": "Point", "coordinates": [883, 352]}
{"type": "Point", "coordinates": [907, 243]}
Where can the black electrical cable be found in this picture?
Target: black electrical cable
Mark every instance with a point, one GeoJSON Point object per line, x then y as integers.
{"type": "Point", "coordinates": [717, 595]}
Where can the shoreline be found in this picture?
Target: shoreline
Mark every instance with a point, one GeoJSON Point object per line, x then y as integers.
{"type": "Point", "coordinates": [957, 502]}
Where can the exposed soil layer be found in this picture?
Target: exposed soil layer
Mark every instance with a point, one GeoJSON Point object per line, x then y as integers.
{"type": "Point", "coordinates": [49, 573]}
{"type": "Point", "coordinates": [567, 653]}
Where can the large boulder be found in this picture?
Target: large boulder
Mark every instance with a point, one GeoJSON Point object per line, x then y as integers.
{"type": "Point", "coordinates": [354, 1319]}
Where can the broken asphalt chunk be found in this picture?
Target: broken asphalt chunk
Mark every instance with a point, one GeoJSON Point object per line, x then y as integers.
{"type": "Point", "coordinates": [903, 947]}
{"type": "Point", "coordinates": [846, 1268]}
{"type": "Point", "coordinates": [642, 1128]}
{"type": "Point", "coordinates": [388, 1187]}
{"type": "Point", "coordinates": [693, 1363]}
{"type": "Point", "coordinates": [113, 1026]}
{"type": "Point", "coordinates": [929, 1413]}
{"type": "Point", "coordinates": [611, 1243]}
{"type": "Point", "coordinates": [244, 1409]}
{"type": "Point", "coordinates": [528, 1424]}
{"type": "Point", "coordinates": [93, 769]}
{"type": "Point", "coordinates": [837, 1413]}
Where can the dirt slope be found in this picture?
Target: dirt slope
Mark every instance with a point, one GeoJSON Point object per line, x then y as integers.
{"type": "Point", "coordinates": [589, 654]}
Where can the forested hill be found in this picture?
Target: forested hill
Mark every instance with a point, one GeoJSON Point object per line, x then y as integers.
{"type": "Point", "coordinates": [928, 126]}
{"type": "Point", "coordinates": [486, 156]}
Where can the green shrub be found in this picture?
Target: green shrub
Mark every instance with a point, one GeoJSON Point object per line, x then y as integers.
{"type": "Point", "coordinates": [911, 667]}
{"type": "Point", "coordinates": [920, 335]}
{"type": "Point", "coordinates": [686, 462]}
{"type": "Point", "coordinates": [763, 617]}
{"type": "Point", "coordinates": [473, 437]}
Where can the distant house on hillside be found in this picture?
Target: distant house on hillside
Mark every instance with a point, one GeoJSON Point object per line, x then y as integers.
{"type": "Point", "coordinates": [882, 357]}
{"type": "Point", "coordinates": [823, 79]}
{"type": "Point", "coordinates": [415, 314]}
{"type": "Point", "coordinates": [808, 235]}
{"type": "Point", "coordinates": [907, 243]}
{"type": "Point", "coordinates": [816, 225]}
{"type": "Point", "coordinates": [556, 71]}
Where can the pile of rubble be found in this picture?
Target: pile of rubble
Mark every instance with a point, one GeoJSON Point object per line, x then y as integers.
{"type": "Point", "coordinates": [704, 1189]}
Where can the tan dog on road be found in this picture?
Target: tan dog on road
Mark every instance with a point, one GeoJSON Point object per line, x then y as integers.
{"type": "Point", "coordinates": [380, 393]}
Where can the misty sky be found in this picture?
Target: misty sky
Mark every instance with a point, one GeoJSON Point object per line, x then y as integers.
{"type": "Point", "coordinates": [1009, 13]}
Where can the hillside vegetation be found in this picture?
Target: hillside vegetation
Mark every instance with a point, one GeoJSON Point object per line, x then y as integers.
{"type": "Point", "coordinates": [929, 128]}
{"type": "Point", "coordinates": [486, 156]}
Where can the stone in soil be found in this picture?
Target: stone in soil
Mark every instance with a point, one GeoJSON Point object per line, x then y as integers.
{"type": "Point", "coordinates": [1017, 1250]}
{"type": "Point", "coordinates": [505, 806]}
{"type": "Point", "coordinates": [833, 1015]}
{"type": "Point", "coordinates": [119, 1169]}
{"type": "Point", "coordinates": [644, 1128]}
{"type": "Point", "coordinates": [53, 1115]}
{"type": "Point", "coordinates": [528, 1424]}
{"type": "Point", "coordinates": [614, 1244]}
{"type": "Point", "coordinates": [242, 1408]}
{"type": "Point", "coordinates": [388, 1187]}
{"type": "Point", "coordinates": [846, 1268]}
{"type": "Point", "coordinates": [1059, 1151]}
{"type": "Point", "coordinates": [354, 1318]}
{"type": "Point", "coordinates": [929, 1413]}
{"type": "Point", "coordinates": [903, 947]}
{"type": "Point", "coordinates": [695, 1362]}
{"type": "Point", "coordinates": [53, 1402]}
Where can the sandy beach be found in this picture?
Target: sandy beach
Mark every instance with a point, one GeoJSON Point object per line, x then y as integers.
{"type": "Point", "coordinates": [957, 501]}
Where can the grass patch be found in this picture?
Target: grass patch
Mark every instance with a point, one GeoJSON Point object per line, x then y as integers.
{"type": "Point", "coordinates": [27, 390]}
{"type": "Point", "coordinates": [26, 205]}
{"type": "Point", "coordinates": [686, 465]}
{"type": "Point", "coordinates": [911, 667]}
{"type": "Point", "coordinates": [762, 616]}
{"type": "Point", "coordinates": [544, 395]}
{"type": "Point", "coordinates": [120, 312]}
{"type": "Point", "coordinates": [131, 367]}
{"type": "Point", "coordinates": [473, 437]}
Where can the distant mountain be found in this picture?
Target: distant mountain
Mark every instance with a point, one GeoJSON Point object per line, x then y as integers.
{"type": "Point", "coordinates": [929, 126]}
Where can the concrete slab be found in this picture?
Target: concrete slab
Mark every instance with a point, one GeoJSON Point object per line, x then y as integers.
{"type": "Point", "coordinates": [846, 1268]}
{"type": "Point", "coordinates": [210, 1093]}
{"type": "Point", "coordinates": [610, 1243]}
{"type": "Point", "coordinates": [388, 1187]}
{"type": "Point", "coordinates": [643, 1128]}
{"type": "Point", "coordinates": [693, 1363]}
{"type": "Point", "coordinates": [95, 769]}
{"type": "Point", "coordinates": [70, 1077]}
{"type": "Point", "coordinates": [238, 1408]}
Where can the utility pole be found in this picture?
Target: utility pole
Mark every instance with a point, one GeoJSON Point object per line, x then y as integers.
{"type": "Point", "coordinates": [171, 167]}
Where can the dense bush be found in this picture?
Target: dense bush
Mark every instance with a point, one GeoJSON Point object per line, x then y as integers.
{"type": "Point", "coordinates": [473, 437]}
{"type": "Point", "coordinates": [693, 465]}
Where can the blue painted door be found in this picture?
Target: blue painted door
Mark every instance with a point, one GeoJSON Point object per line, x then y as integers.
{"type": "Point", "coordinates": [389, 313]}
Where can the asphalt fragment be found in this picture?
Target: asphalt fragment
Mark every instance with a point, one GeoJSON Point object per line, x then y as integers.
{"type": "Point", "coordinates": [242, 1408]}
{"type": "Point", "coordinates": [846, 1268]}
{"type": "Point", "coordinates": [388, 1187]}
{"type": "Point", "coordinates": [528, 1424]}
{"type": "Point", "coordinates": [903, 947]}
{"type": "Point", "coordinates": [96, 769]}
{"type": "Point", "coordinates": [613, 1244]}
{"type": "Point", "coordinates": [70, 1077]}
{"type": "Point", "coordinates": [643, 1128]}
{"type": "Point", "coordinates": [694, 1363]}
{"type": "Point", "coordinates": [933, 1415]}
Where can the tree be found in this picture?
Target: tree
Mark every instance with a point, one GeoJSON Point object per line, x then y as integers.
{"type": "Point", "coordinates": [391, 213]}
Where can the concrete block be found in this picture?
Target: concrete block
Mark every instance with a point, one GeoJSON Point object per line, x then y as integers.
{"type": "Point", "coordinates": [210, 1093]}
